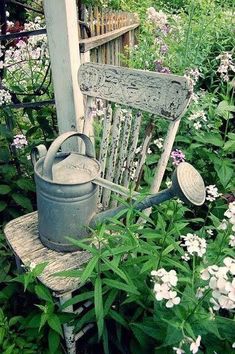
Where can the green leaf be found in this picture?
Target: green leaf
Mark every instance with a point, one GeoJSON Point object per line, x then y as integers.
{"type": "Point", "coordinates": [224, 172]}
{"type": "Point", "coordinates": [109, 301]}
{"type": "Point", "coordinates": [89, 269]}
{"type": "Point", "coordinates": [99, 311]}
{"type": "Point", "coordinates": [23, 201]}
{"type": "Point", "coordinates": [43, 320]}
{"type": "Point", "coordinates": [26, 184]}
{"type": "Point", "coordinates": [229, 146]}
{"type": "Point", "coordinates": [43, 293]}
{"type": "Point", "coordinates": [4, 189]}
{"type": "Point", "coordinates": [118, 318]}
{"type": "Point", "coordinates": [82, 245]}
{"type": "Point", "coordinates": [78, 298]}
{"type": "Point", "coordinates": [176, 264]}
{"type": "Point", "coordinates": [105, 339]}
{"type": "Point", "coordinates": [224, 108]}
{"type": "Point", "coordinates": [210, 138]}
{"type": "Point", "coordinates": [39, 269]}
{"type": "Point", "coordinates": [168, 249]}
{"type": "Point", "coordinates": [115, 269]}
{"type": "Point", "coordinates": [121, 286]}
{"type": "Point", "coordinates": [53, 341]}
{"type": "Point", "coordinates": [14, 320]}
{"type": "Point", "coordinates": [3, 206]}
{"type": "Point", "coordinates": [54, 322]}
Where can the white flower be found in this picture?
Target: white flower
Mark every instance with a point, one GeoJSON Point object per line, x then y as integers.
{"type": "Point", "coordinates": [178, 350]}
{"type": "Point", "coordinates": [195, 245]}
{"type": "Point", "coordinates": [163, 283]}
{"type": "Point", "coordinates": [158, 143]}
{"type": "Point", "coordinates": [212, 193]}
{"type": "Point", "coordinates": [230, 213]}
{"type": "Point", "coordinates": [197, 125]}
{"type": "Point", "coordinates": [223, 226]}
{"type": "Point", "coordinates": [170, 277]}
{"type": "Point", "coordinates": [161, 291]}
{"type": "Point", "coordinates": [210, 232]}
{"type": "Point", "coordinates": [195, 345]}
{"type": "Point", "coordinates": [232, 240]}
{"type": "Point", "coordinates": [149, 151]}
{"type": "Point", "coordinates": [200, 292]}
{"type": "Point", "coordinates": [185, 257]}
{"type": "Point", "coordinates": [173, 300]}
{"type": "Point", "coordinates": [233, 345]}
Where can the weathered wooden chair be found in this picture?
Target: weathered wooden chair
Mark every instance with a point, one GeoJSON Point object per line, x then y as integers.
{"type": "Point", "coordinates": [162, 95]}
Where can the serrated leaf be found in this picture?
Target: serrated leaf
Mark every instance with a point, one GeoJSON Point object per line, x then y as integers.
{"type": "Point", "coordinates": [43, 293]}
{"type": "Point", "coordinates": [210, 138]}
{"type": "Point", "coordinates": [224, 172]}
{"type": "Point", "coordinates": [121, 286]}
{"type": "Point", "coordinates": [23, 201]}
{"type": "Point", "coordinates": [54, 322]}
{"type": "Point", "coordinates": [229, 146]}
{"type": "Point", "coordinates": [4, 189]}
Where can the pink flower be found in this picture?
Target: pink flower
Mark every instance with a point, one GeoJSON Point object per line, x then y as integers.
{"type": "Point", "coordinates": [177, 156]}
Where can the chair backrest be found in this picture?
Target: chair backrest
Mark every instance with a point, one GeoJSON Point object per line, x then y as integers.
{"type": "Point", "coordinates": [162, 95]}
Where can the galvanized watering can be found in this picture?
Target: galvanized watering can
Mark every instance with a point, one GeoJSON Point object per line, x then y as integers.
{"type": "Point", "coordinates": [67, 188]}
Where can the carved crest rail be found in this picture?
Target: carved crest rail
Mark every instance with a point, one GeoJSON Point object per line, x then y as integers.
{"type": "Point", "coordinates": [164, 95]}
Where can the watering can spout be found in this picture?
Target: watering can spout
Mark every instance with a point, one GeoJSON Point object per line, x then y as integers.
{"type": "Point", "coordinates": [187, 184]}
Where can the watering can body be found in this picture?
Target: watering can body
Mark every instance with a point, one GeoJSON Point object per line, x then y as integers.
{"type": "Point", "coordinates": [66, 197]}
{"type": "Point", "coordinates": [67, 188]}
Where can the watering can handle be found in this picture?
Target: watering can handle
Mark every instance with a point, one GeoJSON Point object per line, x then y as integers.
{"type": "Point", "coordinates": [51, 154]}
{"type": "Point", "coordinates": [38, 152]}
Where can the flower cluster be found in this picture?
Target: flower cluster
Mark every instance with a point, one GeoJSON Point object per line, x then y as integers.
{"type": "Point", "coordinates": [5, 97]}
{"type": "Point", "coordinates": [230, 214]}
{"type": "Point", "coordinates": [163, 286]}
{"type": "Point", "coordinates": [177, 156]}
{"type": "Point", "coordinates": [195, 246]}
{"type": "Point", "coordinates": [226, 64]}
{"type": "Point", "coordinates": [222, 283]}
{"type": "Point", "coordinates": [25, 57]}
{"type": "Point", "coordinates": [212, 192]}
{"type": "Point", "coordinates": [193, 75]}
{"type": "Point", "coordinates": [19, 141]}
{"type": "Point", "coordinates": [158, 143]}
{"type": "Point", "coordinates": [159, 19]}
{"type": "Point", "coordinates": [160, 68]}
{"type": "Point", "coordinates": [197, 118]}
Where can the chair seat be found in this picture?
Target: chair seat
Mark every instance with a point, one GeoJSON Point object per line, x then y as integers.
{"type": "Point", "coordinates": [22, 236]}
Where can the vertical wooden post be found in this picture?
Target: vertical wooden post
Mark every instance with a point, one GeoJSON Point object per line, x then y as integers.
{"type": "Point", "coordinates": [62, 31]}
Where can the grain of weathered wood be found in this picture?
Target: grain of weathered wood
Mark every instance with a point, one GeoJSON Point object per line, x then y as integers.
{"type": "Point", "coordinates": [62, 33]}
{"type": "Point", "coordinates": [22, 236]}
{"type": "Point", "coordinates": [164, 95]}
{"type": "Point", "coordinates": [95, 41]}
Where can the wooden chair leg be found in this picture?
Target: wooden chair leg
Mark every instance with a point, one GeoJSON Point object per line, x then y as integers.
{"type": "Point", "coordinates": [68, 330]}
